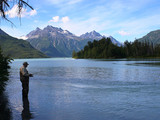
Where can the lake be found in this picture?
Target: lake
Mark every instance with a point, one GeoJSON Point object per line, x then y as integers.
{"type": "Point", "coordinates": [80, 89]}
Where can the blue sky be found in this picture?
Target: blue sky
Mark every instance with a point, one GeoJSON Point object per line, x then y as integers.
{"type": "Point", "coordinates": [122, 19]}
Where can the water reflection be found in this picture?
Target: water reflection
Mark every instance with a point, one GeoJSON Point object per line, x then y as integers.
{"type": "Point", "coordinates": [26, 114]}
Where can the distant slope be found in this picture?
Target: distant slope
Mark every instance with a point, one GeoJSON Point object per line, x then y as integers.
{"type": "Point", "coordinates": [152, 37]}
{"type": "Point", "coordinates": [17, 48]}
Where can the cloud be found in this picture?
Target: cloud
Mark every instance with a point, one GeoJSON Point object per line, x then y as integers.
{"type": "Point", "coordinates": [32, 12]}
{"type": "Point", "coordinates": [65, 19]}
{"type": "Point", "coordinates": [123, 33]}
{"type": "Point", "coordinates": [55, 19]}
{"type": "Point", "coordinates": [23, 37]}
{"type": "Point", "coordinates": [124, 19]}
{"type": "Point", "coordinates": [14, 12]}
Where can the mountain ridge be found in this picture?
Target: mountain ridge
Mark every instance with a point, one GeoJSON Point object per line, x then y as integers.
{"type": "Point", "coordinates": [62, 41]}
{"type": "Point", "coordinates": [151, 37]}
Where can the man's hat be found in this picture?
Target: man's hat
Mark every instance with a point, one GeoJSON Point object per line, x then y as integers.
{"type": "Point", "coordinates": [25, 63]}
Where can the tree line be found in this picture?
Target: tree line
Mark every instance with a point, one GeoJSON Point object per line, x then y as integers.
{"type": "Point", "coordinates": [5, 112]}
{"type": "Point", "coordinates": [104, 48]}
{"type": "Point", "coordinates": [4, 66]}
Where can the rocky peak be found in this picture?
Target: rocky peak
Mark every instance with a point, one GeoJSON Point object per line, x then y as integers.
{"type": "Point", "coordinates": [50, 28]}
{"type": "Point", "coordinates": [38, 29]}
{"type": "Point", "coordinates": [92, 35]}
{"type": "Point", "coordinates": [34, 33]}
{"type": "Point", "coordinates": [114, 41]}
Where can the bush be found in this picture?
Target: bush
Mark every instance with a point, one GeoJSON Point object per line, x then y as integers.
{"type": "Point", "coordinates": [4, 66]}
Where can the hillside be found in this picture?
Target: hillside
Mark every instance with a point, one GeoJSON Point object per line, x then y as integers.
{"type": "Point", "coordinates": [17, 48]}
{"type": "Point", "coordinates": [152, 37]}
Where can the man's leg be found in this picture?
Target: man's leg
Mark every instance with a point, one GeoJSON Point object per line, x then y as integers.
{"type": "Point", "coordinates": [24, 89]}
{"type": "Point", "coordinates": [27, 86]}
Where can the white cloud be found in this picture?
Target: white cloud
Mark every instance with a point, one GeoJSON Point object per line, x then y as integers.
{"type": "Point", "coordinates": [123, 33]}
{"type": "Point", "coordinates": [65, 19]}
{"type": "Point", "coordinates": [23, 37]}
{"type": "Point", "coordinates": [14, 12]}
{"type": "Point", "coordinates": [33, 12]}
{"type": "Point", "coordinates": [124, 19]}
{"type": "Point", "coordinates": [79, 27]}
{"type": "Point", "coordinates": [55, 19]}
{"type": "Point", "coordinates": [132, 27]}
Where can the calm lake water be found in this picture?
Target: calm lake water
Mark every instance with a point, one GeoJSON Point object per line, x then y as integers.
{"type": "Point", "coordinates": [69, 89]}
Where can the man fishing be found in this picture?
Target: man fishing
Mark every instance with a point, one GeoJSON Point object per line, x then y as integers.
{"type": "Point", "coordinates": [24, 78]}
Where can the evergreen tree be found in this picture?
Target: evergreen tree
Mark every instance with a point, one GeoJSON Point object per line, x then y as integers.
{"type": "Point", "coordinates": [104, 48]}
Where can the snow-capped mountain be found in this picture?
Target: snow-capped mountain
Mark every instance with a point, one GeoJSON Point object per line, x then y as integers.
{"type": "Point", "coordinates": [56, 42]}
{"type": "Point", "coordinates": [53, 41]}
{"type": "Point", "coordinates": [92, 35]}
{"type": "Point", "coordinates": [50, 31]}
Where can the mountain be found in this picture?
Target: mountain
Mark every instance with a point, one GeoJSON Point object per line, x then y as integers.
{"type": "Point", "coordinates": [152, 37]}
{"type": "Point", "coordinates": [92, 35]}
{"type": "Point", "coordinates": [56, 42]}
{"type": "Point", "coordinates": [53, 41]}
{"type": "Point", "coordinates": [114, 41]}
{"type": "Point", "coordinates": [18, 48]}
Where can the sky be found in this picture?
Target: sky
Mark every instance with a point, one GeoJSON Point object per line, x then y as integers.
{"type": "Point", "coordinates": [122, 19]}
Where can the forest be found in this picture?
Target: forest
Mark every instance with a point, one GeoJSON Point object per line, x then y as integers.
{"type": "Point", "coordinates": [104, 49]}
{"type": "Point", "coordinates": [4, 66]}
{"type": "Point", "coordinates": [5, 112]}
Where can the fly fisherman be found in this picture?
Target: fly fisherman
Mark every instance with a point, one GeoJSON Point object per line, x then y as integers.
{"type": "Point", "coordinates": [24, 78]}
